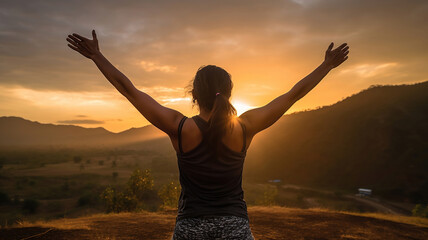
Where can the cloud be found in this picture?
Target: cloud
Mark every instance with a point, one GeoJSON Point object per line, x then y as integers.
{"type": "Point", "coordinates": [151, 66]}
{"type": "Point", "coordinates": [179, 36]}
{"type": "Point", "coordinates": [52, 98]}
{"type": "Point", "coordinates": [370, 70]}
{"type": "Point", "coordinates": [81, 121]}
{"type": "Point", "coordinates": [81, 116]}
{"type": "Point", "coordinates": [267, 46]}
{"type": "Point", "coordinates": [58, 98]}
{"type": "Point", "coordinates": [174, 101]}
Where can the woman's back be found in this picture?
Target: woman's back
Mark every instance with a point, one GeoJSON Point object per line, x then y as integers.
{"type": "Point", "coordinates": [191, 136]}
{"type": "Point", "coordinates": [211, 180]}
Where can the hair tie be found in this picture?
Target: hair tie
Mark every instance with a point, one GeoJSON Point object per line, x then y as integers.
{"type": "Point", "coordinates": [217, 94]}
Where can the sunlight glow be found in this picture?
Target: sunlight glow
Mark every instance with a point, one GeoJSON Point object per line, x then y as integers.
{"type": "Point", "coordinates": [241, 107]}
{"type": "Point", "coordinates": [62, 98]}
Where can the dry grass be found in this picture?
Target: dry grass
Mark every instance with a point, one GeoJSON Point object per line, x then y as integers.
{"type": "Point", "coordinates": [87, 221]}
{"type": "Point", "coordinates": [266, 223]}
{"type": "Point", "coordinates": [418, 221]}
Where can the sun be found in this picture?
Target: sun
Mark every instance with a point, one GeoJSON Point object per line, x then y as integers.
{"type": "Point", "coordinates": [241, 107]}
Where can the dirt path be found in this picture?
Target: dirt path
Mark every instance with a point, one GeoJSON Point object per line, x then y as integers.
{"type": "Point", "coordinates": [379, 206]}
{"type": "Point", "coordinates": [265, 222]}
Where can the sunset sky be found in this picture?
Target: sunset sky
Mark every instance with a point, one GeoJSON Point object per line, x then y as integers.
{"type": "Point", "coordinates": [267, 47]}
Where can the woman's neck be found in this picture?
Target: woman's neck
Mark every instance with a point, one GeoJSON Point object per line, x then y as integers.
{"type": "Point", "coordinates": [205, 114]}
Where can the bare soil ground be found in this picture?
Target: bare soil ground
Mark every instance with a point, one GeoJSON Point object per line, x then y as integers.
{"type": "Point", "coordinates": [265, 223]}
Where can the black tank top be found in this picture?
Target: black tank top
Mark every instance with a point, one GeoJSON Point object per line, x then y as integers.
{"type": "Point", "coordinates": [211, 184]}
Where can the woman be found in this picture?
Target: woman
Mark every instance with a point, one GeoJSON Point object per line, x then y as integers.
{"type": "Point", "coordinates": [211, 147]}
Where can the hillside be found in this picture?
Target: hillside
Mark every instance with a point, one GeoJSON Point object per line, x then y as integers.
{"type": "Point", "coordinates": [265, 222]}
{"type": "Point", "coordinates": [375, 139]}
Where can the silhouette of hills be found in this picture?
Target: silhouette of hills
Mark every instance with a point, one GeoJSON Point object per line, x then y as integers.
{"type": "Point", "coordinates": [19, 132]}
{"type": "Point", "coordinates": [376, 139]}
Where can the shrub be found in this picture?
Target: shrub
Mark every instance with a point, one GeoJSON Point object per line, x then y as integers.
{"type": "Point", "coordinates": [420, 210]}
{"type": "Point", "coordinates": [138, 189]}
{"type": "Point", "coordinates": [140, 183]}
{"type": "Point", "coordinates": [169, 194]}
{"type": "Point", "coordinates": [116, 201]}
{"type": "Point", "coordinates": [269, 196]}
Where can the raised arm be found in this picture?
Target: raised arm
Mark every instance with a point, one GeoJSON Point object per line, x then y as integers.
{"type": "Point", "coordinates": [261, 118]}
{"type": "Point", "coordinates": [164, 118]}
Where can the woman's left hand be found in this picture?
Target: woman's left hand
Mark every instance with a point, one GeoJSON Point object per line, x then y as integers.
{"type": "Point", "coordinates": [87, 47]}
{"type": "Point", "coordinates": [334, 58]}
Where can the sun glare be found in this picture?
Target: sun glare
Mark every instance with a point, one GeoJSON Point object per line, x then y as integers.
{"type": "Point", "coordinates": [241, 107]}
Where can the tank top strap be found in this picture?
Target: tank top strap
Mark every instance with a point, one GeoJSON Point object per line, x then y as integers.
{"type": "Point", "coordinates": [244, 135]}
{"type": "Point", "coordinates": [180, 127]}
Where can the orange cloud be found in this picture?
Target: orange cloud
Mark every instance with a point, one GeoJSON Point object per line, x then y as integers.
{"type": "Point", "coordinates": [151, 66]}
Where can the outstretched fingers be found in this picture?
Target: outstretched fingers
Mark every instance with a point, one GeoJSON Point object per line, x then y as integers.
{"type": "Point", "coordinates": [75, 40]}
{"type": "Point", "coordinates": [345, 49]}
{"type": "Point", "coordinates": [77, 43]}
{"type": "Point", "coordinates": [77, 50]}
{"type": "Point", "coordinates": [80, 37]}
{"type": "Point", "coordinates": [72, 42]}
{"type": "Point", "coordinates": [74, 48]}
{"type": "Point", "coordinates": [340, 48]}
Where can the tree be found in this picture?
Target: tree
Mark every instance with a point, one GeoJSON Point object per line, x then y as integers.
{"type": "Point", "coordinates": [269, 196]}
{"type": "Point", "coordinates": [141, 183]}
{"type": "Point", "coordinates": [138, 188]}
{"type": "Point", "coordinates": [420, 210]}
{"type": "Point", "coordinates": [170, 193]}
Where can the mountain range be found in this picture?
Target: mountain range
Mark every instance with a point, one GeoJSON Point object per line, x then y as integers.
{"type": "Point", "coordinates": [377, 138]}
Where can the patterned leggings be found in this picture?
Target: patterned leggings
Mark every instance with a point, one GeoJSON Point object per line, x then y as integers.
{"type": "Point", "coordinates": [214, 227]}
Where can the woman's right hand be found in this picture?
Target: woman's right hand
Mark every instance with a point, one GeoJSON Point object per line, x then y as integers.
{"type": "Point", "coordinates": [87, 47]}
{"type": "Point", "coordinates": [334, 58]}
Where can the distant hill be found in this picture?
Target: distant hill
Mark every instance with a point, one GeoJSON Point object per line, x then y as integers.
{"type": "Point", "coordinates": [376, 139]}
{"type": "Point", "coordinates": [19, 132]}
